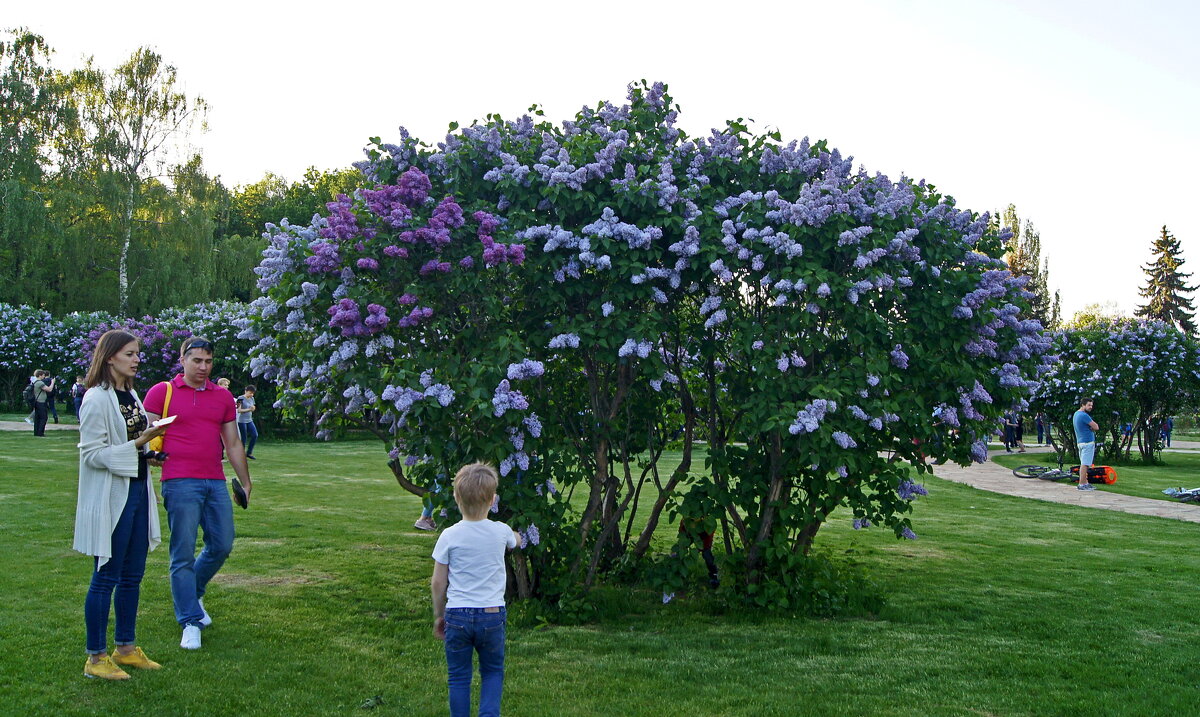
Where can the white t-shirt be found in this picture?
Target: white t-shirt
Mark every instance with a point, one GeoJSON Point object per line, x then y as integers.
{"type": "Point", "coordinates": [474, 550]}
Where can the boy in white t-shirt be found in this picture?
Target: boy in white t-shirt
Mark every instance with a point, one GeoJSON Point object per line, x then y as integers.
{"type": "Point", "coordinates": [468, 592]}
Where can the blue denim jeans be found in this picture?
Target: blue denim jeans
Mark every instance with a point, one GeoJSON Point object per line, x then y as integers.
{"type": "Point", "coordinates": [193, 503]}
{"type": "Point", "coordinates": [470, 630]}
{"type": "Point", "coordinates": [123, 571]}
{"type": "Point", "coordinates": [249, 434]}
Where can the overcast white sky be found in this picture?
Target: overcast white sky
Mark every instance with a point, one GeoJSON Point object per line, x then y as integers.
{"type": "Point", "coordinates": [1082, 113]}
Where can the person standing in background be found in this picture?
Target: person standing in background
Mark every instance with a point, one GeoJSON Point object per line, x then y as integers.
{"type": "Point", "coordinates": [42, 386]}
{"type": "Point", "coordinates": [1085, 440]}
{"type": "Point", "coordinates": [52, 399]}
{"type": "Point", "coordinates": [77, 391]}
{"type": "Point", "coordinates": [245, 420]}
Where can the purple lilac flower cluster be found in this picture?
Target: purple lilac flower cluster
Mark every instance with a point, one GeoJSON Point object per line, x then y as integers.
{"type": "Point", "coordinates": [387, 203]}
{"type": "Point", "coordinates": [342, 223]}
{"type": "Point", "coordinates": [495, 253]}
{"type": "Point", "coordinates": [526, 369]}
{"type": "Point", "coordinates": [908, 490]}
{"type": "Point", "coordinates": [506, 398]}
{"type": "Point", "coordinates": [564, 341]}
{"type": "Point", "coordinates": [809, 418]}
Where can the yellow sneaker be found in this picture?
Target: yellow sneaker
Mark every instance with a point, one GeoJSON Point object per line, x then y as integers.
{"type": "Point", "coordinates": [137, 659]}
{"type": "Point", "coordinates": [104, 669]}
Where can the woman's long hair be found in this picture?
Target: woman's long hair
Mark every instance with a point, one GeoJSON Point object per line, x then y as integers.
{"type": "Point", "coordinates": [100, 373]}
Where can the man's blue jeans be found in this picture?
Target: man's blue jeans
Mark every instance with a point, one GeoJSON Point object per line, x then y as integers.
{"type": "Point", "coordinates": [193, 503]}
{"type": "Point", "coordinates": [470, 630]}
{"type": "Point", "coordinates": [249, 434]}
{"type": "Point", "coordinates": [123, 571]}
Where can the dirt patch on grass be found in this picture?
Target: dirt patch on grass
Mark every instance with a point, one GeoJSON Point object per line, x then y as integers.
{"type": "Point", "coordinates": [259, 542]}
{"type": "Point", "coordinates": [375, 547]}
{"type": "Point", "coordinates": [909, 549]}
{"type": "Point", "coordinates": [243, 580]}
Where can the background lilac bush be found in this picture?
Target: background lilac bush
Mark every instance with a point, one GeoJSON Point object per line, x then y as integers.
{"type": "Point", "coordinates": [32, 338]}
{"type": "Point", "coordinates": [1137, 371]}
{"type": "Point", "coordinates": [566, 300]}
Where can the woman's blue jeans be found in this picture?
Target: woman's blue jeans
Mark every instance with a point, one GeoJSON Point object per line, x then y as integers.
{"type": "Point", "coordinates": [123, 572]}
{"type": "Point", "coordinates": [470, 630]}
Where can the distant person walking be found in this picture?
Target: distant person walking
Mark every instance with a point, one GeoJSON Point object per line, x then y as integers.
{"type": "Point", "coordinates": [1168, 428]}
{"type": "Point", "coordinates": [42, 386]}
{"type": "Point", "coordinates": [245, 420]}
{"type": "Point", "coordinates": [1085, 440]}
{"type": "Point", "coordinates": [116, 513]}
{"type": "Point", "coordinates": [193, 481]}
{"type": "Point", "coordinates": [1039, 422]}
{"type": "Point", "coordinates": [1010, 431]}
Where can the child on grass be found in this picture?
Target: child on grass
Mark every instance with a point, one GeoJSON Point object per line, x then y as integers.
{"type": "Point", "coordinates": [468, 592]}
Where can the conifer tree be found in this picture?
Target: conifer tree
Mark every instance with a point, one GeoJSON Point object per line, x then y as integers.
{"type": "Point", "coordinates": [1166, 289]}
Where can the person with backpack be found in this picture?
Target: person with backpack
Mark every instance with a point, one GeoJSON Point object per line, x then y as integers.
{"type": "Point", "coordinates": [42, 387]}
{"type": "Point", "coordinates": [27, 399]}
{"type": "Point", "coordinates": [77, 392]}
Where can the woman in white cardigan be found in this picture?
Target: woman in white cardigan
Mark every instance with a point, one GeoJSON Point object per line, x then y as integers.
{"type": "Point", "coordinates": [116, 516]}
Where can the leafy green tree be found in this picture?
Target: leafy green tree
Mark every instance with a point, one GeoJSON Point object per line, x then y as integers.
{"type": "Point", "coordinates": [134, 115]}
{"type": "Point", "coordinates": [1166, 289]}
{"type": "Point", "coordinates": [1095, 313]}
{"type": "Point", "coordinates": [34, 110]}
{"type": "Point", "coordinates": [273, 198]}
{"type": "Point", "coordinates": [1023, 253]}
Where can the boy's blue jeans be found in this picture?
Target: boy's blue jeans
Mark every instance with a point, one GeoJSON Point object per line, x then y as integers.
{"type": "Point", "coordinates": [470, 630]}
{"type": "Point", "coordinates": [249, 434]}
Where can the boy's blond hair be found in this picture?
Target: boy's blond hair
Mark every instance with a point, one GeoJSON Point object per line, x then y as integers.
{"type": "Point", "coordinates": [474, 486]}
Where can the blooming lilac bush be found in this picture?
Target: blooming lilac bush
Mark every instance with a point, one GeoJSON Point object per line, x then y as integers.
{"type": "Point", "coordinates": [32, 339]}
{"type": "Point", "coordinates": [1137, 371]}
{"type": "Point", "coordinates": [620, 285]}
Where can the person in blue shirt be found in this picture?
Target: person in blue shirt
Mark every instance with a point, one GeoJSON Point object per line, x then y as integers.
{"type": "Point", "coordinates": [1085, 439]}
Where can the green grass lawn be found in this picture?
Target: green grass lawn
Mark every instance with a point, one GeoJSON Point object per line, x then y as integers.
{"type": "Point", "coordinates": [1002, 607]}
{"type": "Point", "coordinates": [1178, 469]}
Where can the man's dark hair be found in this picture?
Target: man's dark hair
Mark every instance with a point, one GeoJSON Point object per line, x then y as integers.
{"type": "Point", "coordinates": [250, 388]}
{"type": "Point", "coordinates": [1085, 400]}
{"type": "Point", "coordinates": [195, 342]}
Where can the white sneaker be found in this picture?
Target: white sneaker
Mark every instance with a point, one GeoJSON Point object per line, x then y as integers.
{"type": "Point", "coordinates": [191, 638]}
{"type": "Point", "coordinates": [206, 620]}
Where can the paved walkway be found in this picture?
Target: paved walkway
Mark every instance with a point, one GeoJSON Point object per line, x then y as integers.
{"type": "Point", "coordinates": [23, 426]}
{"type": "Point", "coordinates": [996, 478]}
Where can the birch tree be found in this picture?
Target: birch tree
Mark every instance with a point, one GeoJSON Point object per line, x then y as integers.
{"type": "Point", "coordinates": [138, 117]}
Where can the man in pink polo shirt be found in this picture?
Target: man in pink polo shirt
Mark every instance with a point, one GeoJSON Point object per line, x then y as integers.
{"type": "Point", "coordinates": [193, 481]}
